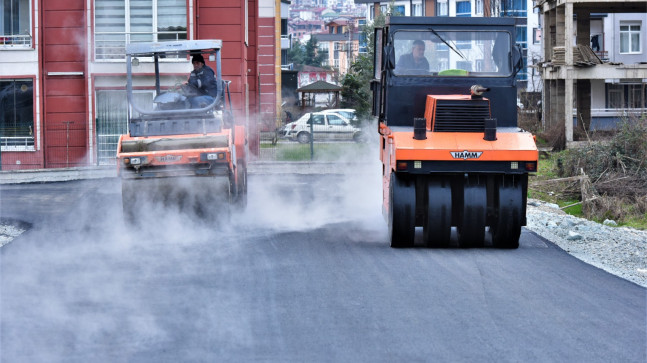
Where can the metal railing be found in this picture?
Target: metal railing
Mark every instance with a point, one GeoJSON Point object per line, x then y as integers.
{"type": "Point", "coordinates": [107, 149]}
{"type": "Point", "coordinates": [112, 45]}
{"type": "Point", "coordinates": [615, 112]}
{"type": "Point", "coordinates": [17, 142]}
{"type": "Point", "coordinates": [21, 41]}
{"type": "Point", "coordinates": [286, 41]}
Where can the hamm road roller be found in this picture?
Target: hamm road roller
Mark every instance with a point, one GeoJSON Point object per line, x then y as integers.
{"type": "Point", "coordinates": [454, 162]}
{"type": "Point", "coordinates": [182, 150]}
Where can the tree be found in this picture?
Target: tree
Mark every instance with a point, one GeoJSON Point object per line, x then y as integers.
{"type": "Point", "coordinates": [356, 92]}
{"type": "Point", "coordinates": [314, 56]}
{"type": "Point", "coordinates": [307, 54]}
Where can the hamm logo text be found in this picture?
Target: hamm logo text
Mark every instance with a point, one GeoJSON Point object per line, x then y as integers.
{"type": "Point", "coordinates": [466, 154]}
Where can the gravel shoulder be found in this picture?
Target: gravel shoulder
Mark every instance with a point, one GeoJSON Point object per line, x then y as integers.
{"type": "Point", "coordinates": [621, 251]}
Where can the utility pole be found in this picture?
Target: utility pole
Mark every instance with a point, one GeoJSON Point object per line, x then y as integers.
{"type": "Point", "coordinates": [67, 142]}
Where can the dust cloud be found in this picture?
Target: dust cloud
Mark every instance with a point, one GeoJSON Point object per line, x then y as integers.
{"type": "Point", "coordinates": [347, 190]}
{"type": "Point", "coordinates": [84, 285]}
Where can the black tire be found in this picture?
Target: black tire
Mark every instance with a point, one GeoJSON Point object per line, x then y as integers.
{"type": "Point", "coordinates": [402, 210]}
{"type": "Point", "coordinates": [128, 201]}
{"type": "Point", "coordinates": [241, 188]}
{"type": "Point", "coordinates": [471, 225]}
{"type": "Point", "coordinates": [437, 224]}
{"type": "Point", "coordinates": [506, 230]}
{"type": "Point", "coordinates": [303, 137]}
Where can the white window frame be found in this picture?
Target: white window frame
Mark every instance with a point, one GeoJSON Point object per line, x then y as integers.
{"type": "Point", "coordinates": [128, 33]}
{"type": "Point", "coordinates": [631, 30]}
{"type": "Point", "coordinates": [21, 142]}
{"type": "Point", "coordinates": [416, 9]}
{"type": "Point", "coordinates": [478, 7]}
{"type": "Point", "coordinates": [23, 39]}
{"type": "Point", "coordinates": [443, 7]}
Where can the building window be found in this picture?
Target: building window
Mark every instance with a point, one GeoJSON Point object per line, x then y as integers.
{"type": "Point", "coordinates": [630, 39]}
{"type": "Point", "coordinates": [463, 8]}
{"type": "Point", "coordinates": [398, 10]}
{"type": "Point", "coordinates": [634, 96]}
{"type": "Point", "coordinates": [120, 22]}
{"type": "Point", "coordinates": [17, 114]}
{"type": "Point", "coordinates": [15, 23]}
{"type": "Point", "coordinates": [522, 36]}
{"type": "Point", "coordinates": [615, 96]}
{"type": "Point", "coordinates": [536, 35]}
{"type": "Point", "coordinates": [416, 10]}
{"type": "Point", "coordinates": [442, 9]}
{"type": "Point", "coordinates": [514, 8]}
{"type": "Point", "coordinates": [323, 47]}
{"type": "Point", "coordinates": [478, 7]}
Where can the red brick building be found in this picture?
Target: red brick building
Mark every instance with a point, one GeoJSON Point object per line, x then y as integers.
{"type": "Point", "coordinates": [62, 70]}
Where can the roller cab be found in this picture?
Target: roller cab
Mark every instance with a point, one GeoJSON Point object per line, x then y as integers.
{"type": "Point", "coordinates": [455, 163]}
{"type": "Point", "coordinates": [177, 156]}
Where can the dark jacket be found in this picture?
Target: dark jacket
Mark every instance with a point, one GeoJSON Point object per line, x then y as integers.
{"type": "Point", "coordinates": [407, 62]}
{"type": "Point", "coordinates": [204, 80]}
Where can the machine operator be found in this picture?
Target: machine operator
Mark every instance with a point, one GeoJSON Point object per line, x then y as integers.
{"type": "Point", "coordinates": [414, 61]}
{"type": "Point", "coordinates": [203, 80]}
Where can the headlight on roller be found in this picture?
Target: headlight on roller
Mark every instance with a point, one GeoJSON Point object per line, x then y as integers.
{"type": "Point", "coordinates": [213, 156]}
{"type": "Point", "coordinates": [135, 160]}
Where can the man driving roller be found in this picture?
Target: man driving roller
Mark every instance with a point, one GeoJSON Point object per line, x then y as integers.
{"type": "Point", "coordinates": [203, 80]}
{"type": "Point", "coordinates": [414, 61]}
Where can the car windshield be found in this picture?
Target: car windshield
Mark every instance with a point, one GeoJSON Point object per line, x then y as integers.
{"type": "Point", "coordinates": [452, 53]}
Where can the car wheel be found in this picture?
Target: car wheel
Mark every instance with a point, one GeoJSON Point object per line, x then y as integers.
{"type": "Point", "coordinates": [303, 137]}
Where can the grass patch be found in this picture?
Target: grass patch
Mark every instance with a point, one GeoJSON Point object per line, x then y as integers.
{"type": "Point", "coordinates": [330, 151]}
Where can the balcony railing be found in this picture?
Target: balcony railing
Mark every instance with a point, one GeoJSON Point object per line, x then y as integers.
{"type": "Point", "coordinates": [616, 112]}
{"type": "Point", "coordinates": [17, 143]}
{"type": "Point", "coordinates": [286, 41]}
{"type": "Point", "coordinates": [18, 41]}
{"type": "Point", "coordinates": [112, 45]}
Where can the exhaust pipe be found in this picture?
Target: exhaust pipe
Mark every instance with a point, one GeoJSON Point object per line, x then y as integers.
{"type": "Point", "coordinates": [419, 128]}
{"type": "Point", "coordinates": [490, 129]}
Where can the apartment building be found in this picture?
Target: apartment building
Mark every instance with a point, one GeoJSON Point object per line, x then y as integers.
{"type": "Point", "coordinates": [62, 70]}
{"type": "Point", "coordinates": [595, 63]}
{"type": "Point", "coordinates": [341, 41]}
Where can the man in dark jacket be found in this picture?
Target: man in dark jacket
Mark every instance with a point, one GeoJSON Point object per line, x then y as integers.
{"type": "Point", "coordinates": [414, 61]}
{"type": "Point", "coordinates": [203, 80]}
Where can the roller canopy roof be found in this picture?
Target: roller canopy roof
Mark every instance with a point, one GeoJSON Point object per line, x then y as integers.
{"type": "Point", "coordinates": [186, 46]}
{"type": "Point", "coordinates": [442, 20]}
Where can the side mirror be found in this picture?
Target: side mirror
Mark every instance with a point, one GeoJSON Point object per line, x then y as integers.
{"type": "Point", "coordinates": [517, 59]}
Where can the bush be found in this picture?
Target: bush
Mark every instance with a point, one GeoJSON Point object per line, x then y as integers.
{"type": "Point", "coordinates": [617, 169]}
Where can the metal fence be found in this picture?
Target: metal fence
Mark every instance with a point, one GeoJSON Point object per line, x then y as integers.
{"type": "Point", "coordinates": [112, 121]}
{"type": "Point", "coordinates": [314, 142]}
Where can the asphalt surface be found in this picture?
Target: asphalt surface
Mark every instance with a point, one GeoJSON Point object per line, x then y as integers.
{"type": "Point", "coordinates": [304, 275]}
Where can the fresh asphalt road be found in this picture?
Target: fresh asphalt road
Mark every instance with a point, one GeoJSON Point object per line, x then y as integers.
{"type": "Point", "coordinates": [304, 275]}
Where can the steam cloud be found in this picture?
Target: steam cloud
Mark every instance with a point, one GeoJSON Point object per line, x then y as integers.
{"type": "Point", "coordinates": [85, 286]}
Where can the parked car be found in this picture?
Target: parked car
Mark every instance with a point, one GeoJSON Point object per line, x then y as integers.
{"type": "Point", "coordinates": [326, 125]}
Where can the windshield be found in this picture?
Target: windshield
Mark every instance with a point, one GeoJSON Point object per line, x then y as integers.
{"type": "Point", "coordinates": [452, 53]}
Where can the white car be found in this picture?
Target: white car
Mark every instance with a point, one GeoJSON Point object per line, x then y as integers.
{"type": "Point", "coordinates": [326, 125]}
